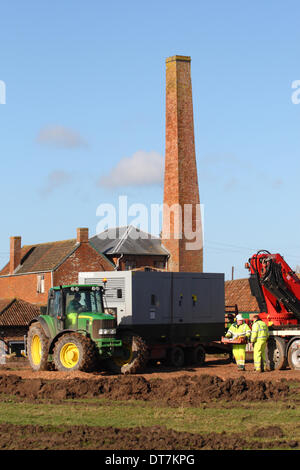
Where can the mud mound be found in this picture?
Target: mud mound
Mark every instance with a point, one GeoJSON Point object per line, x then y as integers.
{"type": "Point", "coordinates": [185, 390]}
{"type": "Point", "coordinates": [205, 388]}
{"type": "Point", "coordinates": [269, 431]}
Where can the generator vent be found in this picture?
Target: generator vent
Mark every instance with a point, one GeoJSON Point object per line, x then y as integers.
{"type": "Point", "coordinates": [113, 285]}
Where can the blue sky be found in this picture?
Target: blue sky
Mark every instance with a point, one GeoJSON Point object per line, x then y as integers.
{"type": "Point", "coordinates": [85, 89]}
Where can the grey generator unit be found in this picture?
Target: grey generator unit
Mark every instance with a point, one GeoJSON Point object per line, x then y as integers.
{"type": "Point", "coordinates": [165, 309]}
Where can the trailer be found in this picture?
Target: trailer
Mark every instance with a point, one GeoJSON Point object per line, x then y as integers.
{"type": "Point", "coordinates": [180, 316]}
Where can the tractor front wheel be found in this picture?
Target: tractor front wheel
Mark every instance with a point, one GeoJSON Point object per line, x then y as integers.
{"type": "Point", "coordinates": [74, 351]}
{"type": "Point", "coordinates": [134, 358]}
{"type": "Point", "coordinates": [37, 347]}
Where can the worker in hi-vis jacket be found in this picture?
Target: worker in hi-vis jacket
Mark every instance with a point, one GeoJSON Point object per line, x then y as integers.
{"type": "Point", "coordinates": [239, 329]}
{"type": "Point", "coordinates": [259, 338]}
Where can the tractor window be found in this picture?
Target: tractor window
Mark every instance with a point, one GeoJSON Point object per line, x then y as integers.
{"type": "Point", "coordinates": [51, 306]}
{"type": "Point", "coordinates": [93, 301]}
{"type": "Point", "coordinates": [83, 301]}
{"type": "Point", "coordinates": [54, 304]}
{"type": "Point", "coordinates": [57, 303]}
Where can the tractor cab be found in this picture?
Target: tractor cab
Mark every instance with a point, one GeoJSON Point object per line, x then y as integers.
{"type": "Point", "coordinates": [64, 301]}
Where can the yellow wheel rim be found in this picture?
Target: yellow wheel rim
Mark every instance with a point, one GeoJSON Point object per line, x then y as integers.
{"type": "Point", "coordinates": [69, 355]}
{"type": "Point", "coordinates": [121, 361]}
{"type": "Point", "coordinates": [36, 349]}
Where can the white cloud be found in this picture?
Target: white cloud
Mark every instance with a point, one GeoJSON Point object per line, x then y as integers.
{"type": "Point", "coordinates": [142, 168]}
{"type": "Point", "coordinates": [55, 179]}
{"type": "Point", "coordinates": [60, 136]}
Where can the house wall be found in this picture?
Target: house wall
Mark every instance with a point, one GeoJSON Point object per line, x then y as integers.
{"type": "Point", "coordinates": [84, 259]}
{"type": "Point", "coordinates": [24, 286]}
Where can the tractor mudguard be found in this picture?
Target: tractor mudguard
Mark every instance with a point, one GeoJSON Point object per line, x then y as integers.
{"type": "Point", "coordinates": [44, 325]}
{"type": "Point", "coordinates": [56, 338]}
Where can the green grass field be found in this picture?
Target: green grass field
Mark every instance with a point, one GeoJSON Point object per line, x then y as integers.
{"type": "Point", "coordinates": [241, 418]}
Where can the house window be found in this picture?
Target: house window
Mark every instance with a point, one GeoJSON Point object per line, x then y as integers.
{"type": "Point", "coordinates": [40, 283]}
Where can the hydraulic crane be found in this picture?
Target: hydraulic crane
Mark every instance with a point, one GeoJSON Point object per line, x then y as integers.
{"type": "Point", "coordinates": [277, 290]}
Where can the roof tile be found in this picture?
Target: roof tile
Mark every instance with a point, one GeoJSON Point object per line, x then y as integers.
{"type": "Point", "coordinates": [17, 312]}
{"type": "Point", "coordinates": [42, 257]}
{"type": "Point", "coordinates": [128, 240]}
{"type": "Point", "coordinates": [237, 292]}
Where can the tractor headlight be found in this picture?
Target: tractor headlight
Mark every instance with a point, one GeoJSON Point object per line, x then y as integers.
{"type": "Point", "coordinates": [107, 332]}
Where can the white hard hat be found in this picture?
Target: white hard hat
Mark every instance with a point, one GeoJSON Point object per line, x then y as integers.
{"type": "Point", "coordinates": [239, 317]}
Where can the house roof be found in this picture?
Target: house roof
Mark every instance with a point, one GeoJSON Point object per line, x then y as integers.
{"type": "Point", "coordinates": [237, 292]}
{"type": "Point", "coordinates": [17, 312]}
{"type": "Point", "coordinates": [127, 240]}
{"type": "Point", "coordinates": [42, 257]}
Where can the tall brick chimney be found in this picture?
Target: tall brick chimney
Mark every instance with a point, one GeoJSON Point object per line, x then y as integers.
{"type": "Point", "coordinates": [15, 253]}
{"type": "Point", "coordinates": [82, 235]}
{"type": "Point", "coordinates": [180, 180]}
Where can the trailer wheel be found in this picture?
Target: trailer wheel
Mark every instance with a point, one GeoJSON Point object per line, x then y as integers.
{"type": "Point", "coordinates": [74, 351]}
{"type": "Point", "coordinates": [196, 356]}
{"type": "Point", "coordinates": [276, 354]}
{"type": "Point", "coordinates": [134, 359]}
{"type": "Point", "coordinates": [175, 357]}
{"type": "Point", "coordinates": [229, 359]}
{"type": "Point", "coordinates": [37, 347]}
{"type": "Point", "coordinates": [294, 354]}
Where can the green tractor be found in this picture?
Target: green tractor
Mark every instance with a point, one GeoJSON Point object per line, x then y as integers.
{"type": "Point", "coordinates": [74, 333]}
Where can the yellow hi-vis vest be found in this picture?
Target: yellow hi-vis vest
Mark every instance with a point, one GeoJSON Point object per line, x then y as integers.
{"type": "Point", "coordinates": [260, 331]}
{"type": "Point", "coordinates": [236, 331]}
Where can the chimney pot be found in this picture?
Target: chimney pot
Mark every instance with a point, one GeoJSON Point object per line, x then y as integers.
{"type": "Point", "coordinates": [82, 235]}
{"type": "Point", "coordinates": [15, 254]}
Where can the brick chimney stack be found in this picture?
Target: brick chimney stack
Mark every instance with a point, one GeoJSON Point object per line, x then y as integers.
{"type": "Point", "coordinates": [15, 253]}
{"type": "Point", "coordinates": [180, 180]}
{"type": "Point", "coordinates": [82, 235]}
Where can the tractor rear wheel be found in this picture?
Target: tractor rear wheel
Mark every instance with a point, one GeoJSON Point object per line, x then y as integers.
{"type": "Point", "coordinates": [74, 351]}
{"type": "Point", "coordinates": [134, 359]}
{"type": "Point", "coordinates": [294, 354]}
{"type": "Point", "coordinates": [37, 347]}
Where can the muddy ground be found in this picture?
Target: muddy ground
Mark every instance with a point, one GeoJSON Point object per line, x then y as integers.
{"type": "Point", "coordinates": [18, 437]}
{"type": "Point", "coordinates": [214, 365]}
{"type": "Point", "coordinates": [166, 387]}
